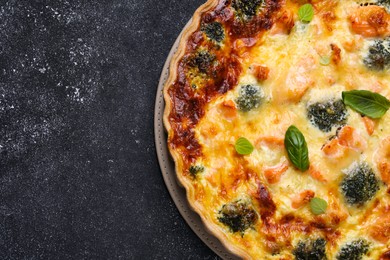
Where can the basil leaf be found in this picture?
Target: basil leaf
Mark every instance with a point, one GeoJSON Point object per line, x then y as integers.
{"type": "Point", "coordinates": [306, 13]}
{"type": "Point", "coordinates": [366, 102]}
{"type": "Point", "coordinates": [296, 147]}
{"type": "Point", "coordinates": [325, 60]}
{"type": "Point", "coordinates": [318, 206]}
{"type": "Point", "coordinates": [243, 146]}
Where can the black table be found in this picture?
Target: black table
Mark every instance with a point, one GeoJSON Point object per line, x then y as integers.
{"type": "Point", "coordinates": [79, 177]}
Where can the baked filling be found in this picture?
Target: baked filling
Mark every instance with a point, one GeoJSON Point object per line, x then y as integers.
{"type": "Point", "coordinates": [277, 121]}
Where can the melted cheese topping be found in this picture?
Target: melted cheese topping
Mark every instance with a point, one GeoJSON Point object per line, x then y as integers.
{"type": "Point", "coordinates": [298, 76]}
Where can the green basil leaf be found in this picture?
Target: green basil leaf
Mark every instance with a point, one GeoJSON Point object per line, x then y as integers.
{"type": "Point", "coordinates": [296, 147]}
{"type": "Point", "coordinates": [365, 102]}
{"type": "Point", "coordinates": [318, 206]}
{"type": "Point", "coordinates": [324, 60]}
{"type": "Point", "coordinates": [306, 13]}
{"type": "Point", "coordinates": [243, 146]}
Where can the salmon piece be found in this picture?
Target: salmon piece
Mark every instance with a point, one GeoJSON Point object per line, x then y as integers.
{"type": "Point", "coordinates": [296, 80]}
{"type": "Point", "coordinates": [329, 17]}
{"type": "Point", "coordinates": [302, 198]}
{"type": "Point", "coordinates": [270, 140]}
{"type": "Point", "coordinates": [299, 79]}
{"type": "Point", "coordinates": [370, 21]}
{"type": "Point", "coordinates": [284, 23]}
{"type": "Point", "coordinates": [347, 138]}
{"type": "Point", "coordinates": [380, 230]}
{"type": "Point", "coordinates": [336, 53]}
{"type": "Point", "coordinates": [382, 159]}
{"type": "Point", "coordinates": [351, 44]}
{"type": "Point", "coordinates": [316, 174]}
{"type": "Point", "coordinates": [384, 169]}
{"type": "Point", "coordinates": [228, 109]}
{"type": "Point", "coordinates": [334, 150]}
{"type": "Point", "coordinates": [260, 72]}
{"type": "Point", "coordinates": [273, 174]}
{"type": "Point", "coordinates": [370, 124]}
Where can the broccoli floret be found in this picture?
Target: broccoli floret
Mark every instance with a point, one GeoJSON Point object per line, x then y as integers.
{"type": "Point", "coordinates": [327, 114]}
{"type": "Point", "coordinates": [195, 169]}
{"type": "Point", "coordinates": [353, 250]}
{"type": "Point", "coordinates": [385, 3]}
{"type": "Point", "coordinates": [359, 184]}
{"type": "Point", "coordinates": [214, 31]}
{"type": "Point", "coordinates": [202, 60]}
{"type": "Point", "coordinates": [378, 57]}
{"type": "Point", "coordinates": [249, 97]}
{"type": "Point", "coordinates": [246, 9]}
{"type": "Point", "coordinates": [311, 250]}
{"type": "Point", "coordinates": [238, 216]}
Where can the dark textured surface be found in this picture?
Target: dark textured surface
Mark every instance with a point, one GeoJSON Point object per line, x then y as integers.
{"type": "Point", "coordinates": [79, 178]}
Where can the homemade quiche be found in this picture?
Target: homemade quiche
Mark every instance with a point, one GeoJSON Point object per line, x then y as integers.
{"type": "Point", "coordinates": [276, 113]}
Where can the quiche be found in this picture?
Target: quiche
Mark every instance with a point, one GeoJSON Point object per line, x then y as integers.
{"type": "Point", "coordinates": [277, 121]}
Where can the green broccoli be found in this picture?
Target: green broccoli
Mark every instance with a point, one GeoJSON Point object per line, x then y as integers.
{"type": "Point", "coordinates": [202, 60]}
{"type": "Point", "coordinates": [378, 57]}
{"type": "Point", "coordinates": [325, 115]}
{"type": "Point", "coordinates": [246, 9]}
{"type": "Point", "coordinates": [353, 250]}
{"type": "Point", "coordinates": [385, 3]}
{"type": "Point", "coordinates": [195, 170]}
{"type": "Point", "coordinates": [249, 97]}
{"type": "Point", "coordinates": [214, 31]}
{"type": "Point", "coordinates": [238, 216]}
{"type": "Point", "coordinates": [359, 184]}
{"type": "Point", "coordinates": [311, 250]}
